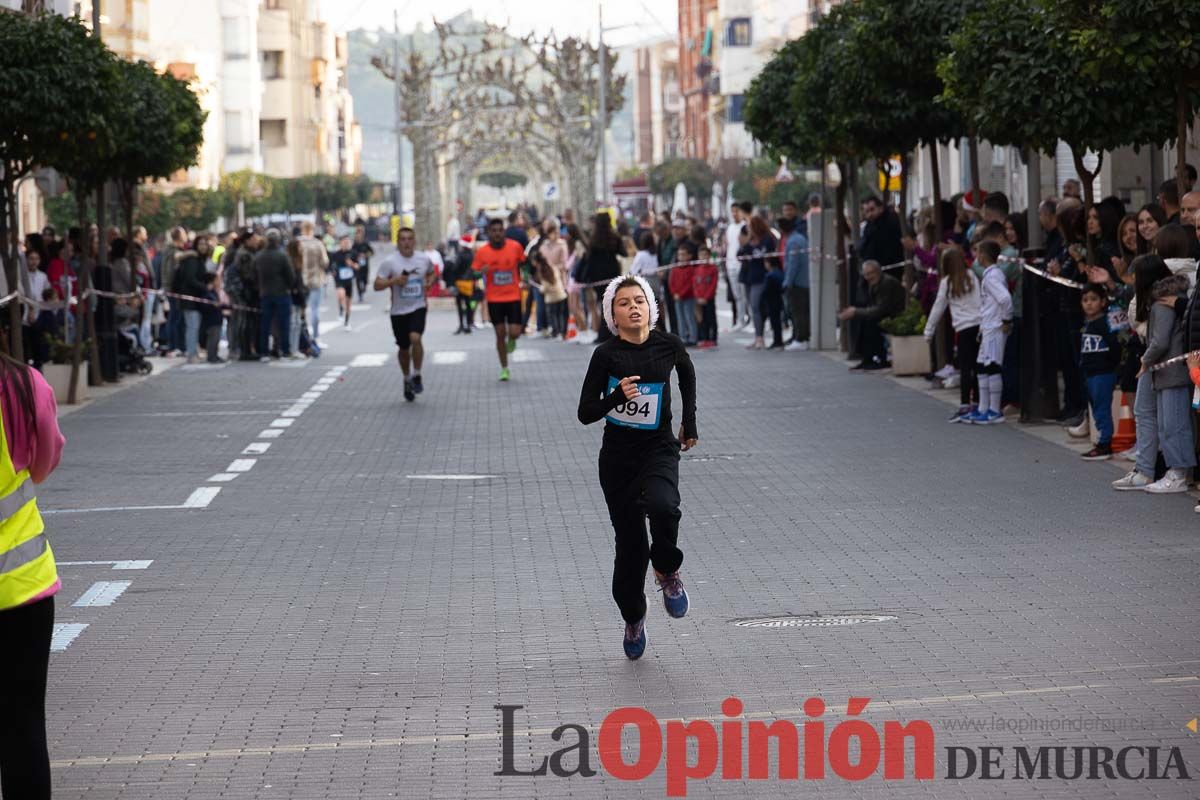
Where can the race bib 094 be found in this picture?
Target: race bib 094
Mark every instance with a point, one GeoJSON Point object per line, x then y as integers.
{"type": "Point", "coordinates": [644, 411]}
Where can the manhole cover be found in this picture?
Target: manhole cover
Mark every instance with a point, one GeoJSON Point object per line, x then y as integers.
{"type": "Point", "coordinates": [811, 622]}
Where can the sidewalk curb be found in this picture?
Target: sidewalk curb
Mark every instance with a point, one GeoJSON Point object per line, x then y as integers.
{"type": "Point", "coordinates": [1047, 432]}
{"type": "Point", "coordinates": [106, 390]}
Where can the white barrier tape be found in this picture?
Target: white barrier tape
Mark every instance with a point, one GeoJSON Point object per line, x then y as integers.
{"type": "Point", "coordinates": [1070, 284]}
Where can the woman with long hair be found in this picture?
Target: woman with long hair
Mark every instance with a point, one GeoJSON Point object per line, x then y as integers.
{"type": "Point", "coordinates": [32, 447]}
{"type": "Point", "coordinates": [578, 296]}
{"type": "Point", "coordinates": [628, 384]}
{"type": "Point", "coordinates": [1150, 218]}
{"type": "Point", "coordinates": [603, 265]}
{"type": "Point", "coordinates": [958, 290]}
{"type": "Point", "coordinates": [754, 253]}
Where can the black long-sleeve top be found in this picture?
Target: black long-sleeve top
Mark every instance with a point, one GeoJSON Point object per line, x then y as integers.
{"type": "Point", "coordinates": [631, 422]}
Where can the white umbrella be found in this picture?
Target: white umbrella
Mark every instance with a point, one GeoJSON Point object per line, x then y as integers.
{"type": "Point", "coordinates": [717, 202]}
{"type": "Point", "coordinates": [680, 205]}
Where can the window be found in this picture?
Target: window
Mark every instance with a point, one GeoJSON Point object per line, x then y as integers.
{"type": "Point", "coordinates": [273, 132]}
{"type": "Point", "coordinates": [733, 107]}
{"type": "Point", "coordinates": [233, 131]}
{"type": "Point", "coordinates": [233, 39]}
{"type": "Point", "coordinates": [737, 32]}
{"type": "Point", "coordinates": [272, 64]}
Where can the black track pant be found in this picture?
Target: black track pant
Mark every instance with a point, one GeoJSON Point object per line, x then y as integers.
{"type": "Point", "coordinates": [24, 759]}
{"type": "Point", "coordinates": [635, 488]}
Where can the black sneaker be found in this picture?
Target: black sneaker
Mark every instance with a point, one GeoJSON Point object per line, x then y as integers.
{"type": "Point", "coordinates": [409, 394]}
{"type": "Point", "coordinates": [418, 387]}
{"type": "Point", "coordinates": [1101, 452]}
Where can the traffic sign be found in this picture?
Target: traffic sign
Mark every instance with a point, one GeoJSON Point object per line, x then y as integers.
{"type": "Point", "coordinates": [550, 191]}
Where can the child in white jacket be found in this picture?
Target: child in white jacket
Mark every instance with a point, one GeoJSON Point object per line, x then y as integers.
{"type": "Point", "coordinates": [958, 290]}
{"type": "Point", "coordinates": [995, 320]}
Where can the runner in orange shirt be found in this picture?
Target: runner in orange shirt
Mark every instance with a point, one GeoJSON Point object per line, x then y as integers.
{"type": "Point", "coordinates": [500, 259]}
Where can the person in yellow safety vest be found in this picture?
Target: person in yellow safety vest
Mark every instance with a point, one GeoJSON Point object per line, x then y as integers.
{"type": "Point", "coordinates": [30, 447]}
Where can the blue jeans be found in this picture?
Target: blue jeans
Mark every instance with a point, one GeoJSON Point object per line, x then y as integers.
{"type": "Point", "coordinates": [1100, 394]}
{"type": "Point", "coordinates": [1175, 426]}
{"type": "Point", "coordinates": [685, 312]}
{"type": "Point", "coordinates": [1145, 418]}
{"type": "Point", "coordinates": [275, 310]}
{"type": "Point", "coordinates": [314, 311]}
{"type": "Point", "coordinates": [191, 321]}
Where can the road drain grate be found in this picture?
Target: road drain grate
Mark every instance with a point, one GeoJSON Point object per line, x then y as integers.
{"type": "Point", "coordinates": [811, 621]}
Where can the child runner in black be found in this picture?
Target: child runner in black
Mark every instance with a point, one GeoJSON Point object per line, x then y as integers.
{"type": "Point", "coordinates": [628, 383]}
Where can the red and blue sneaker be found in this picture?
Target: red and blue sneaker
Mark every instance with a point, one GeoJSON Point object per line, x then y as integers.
{"type": "Point", "coordinates": [675, 597]}
{"type": "Point", "coordinates": [635, 639]}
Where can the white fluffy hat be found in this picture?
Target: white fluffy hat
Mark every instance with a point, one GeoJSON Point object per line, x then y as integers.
{"type": "Point", "coordinates": [610, 294]}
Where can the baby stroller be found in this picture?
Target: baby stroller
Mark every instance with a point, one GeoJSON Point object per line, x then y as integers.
{"type": "Point", "coordinates": [131, 357]}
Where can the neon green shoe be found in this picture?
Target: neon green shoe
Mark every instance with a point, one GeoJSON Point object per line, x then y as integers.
{"type": "Point", "coordinates": [512, 345]}
{"type": "Point", "coordinates": [504, 373]}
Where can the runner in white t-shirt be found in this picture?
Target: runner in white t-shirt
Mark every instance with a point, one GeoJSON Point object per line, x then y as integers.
{"type": "Point", "coordinates": [409, 275]}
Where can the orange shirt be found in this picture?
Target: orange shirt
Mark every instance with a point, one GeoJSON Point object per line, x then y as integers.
{"type": "Point", "coordinates": [500, 268]}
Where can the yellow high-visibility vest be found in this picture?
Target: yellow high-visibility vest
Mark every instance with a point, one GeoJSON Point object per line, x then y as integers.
{"type": "Point", "coordinates": [26, 562]}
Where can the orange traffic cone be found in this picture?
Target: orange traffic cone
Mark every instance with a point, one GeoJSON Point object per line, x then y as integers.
{"type": "Point", "coordinates": [1125, 435]}
{"type": "Point", "coordinates": [572, 331]}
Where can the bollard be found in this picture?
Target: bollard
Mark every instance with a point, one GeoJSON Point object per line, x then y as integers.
{"type": "Point", "coordinates": [1039, 381]}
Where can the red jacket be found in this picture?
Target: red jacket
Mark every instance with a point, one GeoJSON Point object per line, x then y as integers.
{"type": "Point", "coordinates": [680, 282]}
{"type": "Point", "coordinates": [704, 284]}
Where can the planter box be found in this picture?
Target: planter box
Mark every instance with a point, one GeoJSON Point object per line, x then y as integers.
{"type": "Point", "coordinates": [910, 355]}
{"type": "Point", "coordinates": [59, 378]}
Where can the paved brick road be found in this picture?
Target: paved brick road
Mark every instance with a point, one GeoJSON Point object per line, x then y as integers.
{"type": "Point", "coordinates": [329, 627]}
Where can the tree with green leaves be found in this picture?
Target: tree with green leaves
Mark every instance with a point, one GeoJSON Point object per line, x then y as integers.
{"type": "Point", "coordinates": [53, 104]}
{"type": "Point", "coordinates": [160, 127]}
{"type": "Point", "coordinates": [694, 173]}
{"type": "Point", "coordinates": [1153, 45]}
{"type": "Point", "coordinates": [1029, 96]}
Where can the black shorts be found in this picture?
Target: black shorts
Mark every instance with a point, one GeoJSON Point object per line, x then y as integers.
{"type": "Point", "coordinates": [501, 313]}
{"type": "Point", "coordinates": [405, 324]}
{"type": "Point", "coordinates": [346, 286]}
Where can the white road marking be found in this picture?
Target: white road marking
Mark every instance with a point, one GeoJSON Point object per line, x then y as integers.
{"type": "Point", "coordinates": [270, 433]}
{"type": "Point", "coordinates": [527, 356]}
{"type": "Point", "coordinates": [310, 395]}
{"type": "Point", "coordinates": [289, 363]}
{"type": "Point", "coordinates": [240, 465]}
{"type": "Point", "coordinates": [256, 448]}
{"type": "Point", "coordinates": [64, 634]}
{"type": "Point", "coordinates": [102, 593]}
{"type": "Point", "coordinates": [201, 367]}
{"type": "Point", "coordinates": [282, 423]}
{"type": "Point", "coordinates": [449, 356]}
{"type": "Point", "coordinates": [296, 410]}
{"type": "Point", "coordinates": [318, 389]}
{"type": "Point", "coordinates": [369, 360]}
{"type": "Point", "coordinates": [105, 508]}
{"type": "Point", "coordinates": [140, 564]}
{"type": "Point", "coordinates": [338, 370]}
{"type": "Point", "coordinates": [201, 497]}
{"type": "Point", "coordinates": [427, 477]}
{"type": "Point", "coordinates": [223, 477]}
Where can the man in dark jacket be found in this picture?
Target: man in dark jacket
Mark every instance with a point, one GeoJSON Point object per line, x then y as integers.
{"type": "Point", "coordinates": [886, 300]}
{"type": "Point", "coordinates": [188, 281]}
{"type": "Point", "coordinates": [275, 281]}
{"type": "Point", "coordinates": [881, 236]}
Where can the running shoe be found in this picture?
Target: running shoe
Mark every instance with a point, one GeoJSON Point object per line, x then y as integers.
{"type": "Point", "coordinates": [511, 345]}
{"type": "Point", "coordinates": [418, 387]}
{"type": "Point", "coordinates": [675, 597]}
{"type": "Point", "coordinates": [977, 417]}
{"type": "Point", "coordinates": [962, 414]}
{"type": "Point", "coordinates": [635, 639]}
{"type": "Point", "coordinates": [1101, 452]}
{"type": "Point", "coordinates": [994, 418]}
{"type": "Point", "coordinates": [410, 393]}
{"type": "Point", "coordinates": [504, 375]}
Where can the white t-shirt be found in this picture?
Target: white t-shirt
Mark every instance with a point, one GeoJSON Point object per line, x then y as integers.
{"type": "Point", "coordinates": [645, 264]}
{"type": "Point", "coordinates": [410, 296]}
{"type": "Point", "coordinates": [732, 232]}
